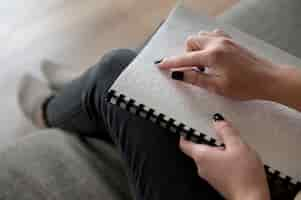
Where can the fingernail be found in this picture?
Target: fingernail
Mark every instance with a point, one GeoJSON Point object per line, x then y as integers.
{"type": "Point", "coordinates": [201, 69]}
{"type": "Point", "coordinates": [177, 75]}
{"type": "Point", "coordinates": [156, 62]}
{"type": "Point", "coordinates": [218, 117]}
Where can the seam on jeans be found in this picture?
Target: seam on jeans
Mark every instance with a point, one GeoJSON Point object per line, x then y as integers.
{"type": "Point", "coordinates": [62, 121]}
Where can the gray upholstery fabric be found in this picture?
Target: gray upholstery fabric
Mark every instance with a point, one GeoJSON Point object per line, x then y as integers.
{"type": "Point", "coordinates": [51, 164]}
{"type": "Point", "coordinates": [275, 21]}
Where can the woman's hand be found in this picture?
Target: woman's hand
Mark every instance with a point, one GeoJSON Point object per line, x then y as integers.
{"type": "Point", "coordinates": [233, 71]}
{"type": "Point", "coordinates": [236, 171]}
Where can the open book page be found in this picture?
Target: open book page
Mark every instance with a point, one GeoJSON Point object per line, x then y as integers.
{"type": "Point", "coordinates": [272, 129]}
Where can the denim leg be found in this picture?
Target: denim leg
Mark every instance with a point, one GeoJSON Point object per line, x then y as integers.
{"type": "Point", "coordinates": [156, 167]}
{"type": "Point", "coordinates": [74, 108]}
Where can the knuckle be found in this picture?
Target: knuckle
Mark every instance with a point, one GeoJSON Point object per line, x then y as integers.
{"type": "Point", "coordinates": [217, 53]}
{"type": "Point", "coordinates": [223, 126]}
{"type": "Point", "coordinates": [190, 39]}
{"type": "Point", "coordinates": [217, 30]}
{"type": "Point", "coordinates": [221, 33]}
{"type": "Point", "coordinates": [226, 85]}
{"type": "Point", "coordinates": [174, 61]}
{"type": "Point", "coordinates": [246, 148]}
{"type": "Point", "coordinates": [238, 154]}
{"type": "Point", "coordinates": [214, 88]}
{"type": "Point", "coordinates": [203, 33]}
{"type": "Point", "coordinates": [211, 88]}
{"type": "Point", "coordinates": [241, 149]}
{"type": "Point", "coordinates": [198, 80]}
{"type": "Point", "coordinates": [213, 57]}
{"type": "Point", "coordinates": [199, 160]}
{"type": "Point", "coordinates": [200, 156]}
{"type": "Point", "coordinates": [221, 47]}
{"type": "Point", "coordinates": [226, 42]}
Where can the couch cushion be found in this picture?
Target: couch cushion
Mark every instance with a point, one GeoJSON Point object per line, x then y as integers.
{"type": "Point", "coordinates": [51, 164]}
{"type": "Point", "coordinates": [275, 21]}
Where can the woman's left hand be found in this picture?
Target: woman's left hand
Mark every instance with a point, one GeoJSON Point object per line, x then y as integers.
{"type": "Point", "coordinates": [235, 171]}
{"type": "Point", "coordinates": [233, 70]}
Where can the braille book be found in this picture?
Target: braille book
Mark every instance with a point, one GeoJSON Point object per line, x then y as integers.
{"type": "Point", "coordinates": [273, 130]}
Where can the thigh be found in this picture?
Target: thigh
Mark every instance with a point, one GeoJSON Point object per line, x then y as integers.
{"type": "Point", "coordinates": [154, 163]}
{"type": "Point", "coordinates": [156, 166]}
{"type": "Point", "coordinates": [274, 21]}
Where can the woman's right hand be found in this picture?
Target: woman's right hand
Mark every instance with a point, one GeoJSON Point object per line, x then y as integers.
{"type": "Point", "coordinates": [233, 70]}
{"type": "Point", "coordinates": [235, 171]}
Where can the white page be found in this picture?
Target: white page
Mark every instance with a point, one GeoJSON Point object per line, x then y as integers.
{"type": "Point", "coordinates": [272, 129]}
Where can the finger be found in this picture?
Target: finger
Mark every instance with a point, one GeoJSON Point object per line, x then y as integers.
{"type": "Point", "coordinates": [196, 43]}
{"type": "Point", "coordinates": [195, 77]}
{"type": "Point", "coordinates": [204, 33]}
{"type": "Point", "coordinates": [219, 32]}
{"type": "Point", "coordinates": [229, 135]}
{"type": "Point", "coordinates": [214, 33]}
{"type": "Point", "coordinates": [191, 43]}
{"type": "Point", "coordinates": [195, 58]}
{"type": "Point", "coordinates": [195, 151]}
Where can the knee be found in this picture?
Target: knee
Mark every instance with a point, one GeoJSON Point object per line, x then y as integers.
{"type": "Point", "coordinates": [112, 64]}
{"type": "Point", "coordinates": [120, 56]}
{"type": "Point", "coordinates": [106, 71]}
{"type": "Point", "coordinates": [117, 58]}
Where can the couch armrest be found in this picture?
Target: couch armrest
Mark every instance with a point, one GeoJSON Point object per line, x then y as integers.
{"type": "Point", "coordinates": [51, 164]}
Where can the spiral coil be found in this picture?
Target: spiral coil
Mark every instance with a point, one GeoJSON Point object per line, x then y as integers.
{"type": "Point", "coordinates": [281, 186]}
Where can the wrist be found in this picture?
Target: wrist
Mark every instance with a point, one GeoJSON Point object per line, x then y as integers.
{"type": "Point", "coordinates": [273, 82]}
{"type": "Point", "coordinates": [267, 75]}
{"type": "Point", "coordinates": [258, 195]}
{"type": "Point", "coordinates": [259, 191]}
{"type": "Point", "coordinates": [283, 84]}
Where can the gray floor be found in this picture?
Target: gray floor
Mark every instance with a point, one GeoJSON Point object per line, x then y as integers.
{"type": "Point", "coordinates": [72, 33]}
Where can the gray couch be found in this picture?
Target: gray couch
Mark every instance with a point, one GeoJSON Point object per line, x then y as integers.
{"type": "Point", "coordinates": [52, 164]}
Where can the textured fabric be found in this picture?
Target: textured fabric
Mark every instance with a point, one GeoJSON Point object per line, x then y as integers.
{"type": "Point", "coordinates": [274, 21]}
{"type": "Point", "coordinates": [51, 164]}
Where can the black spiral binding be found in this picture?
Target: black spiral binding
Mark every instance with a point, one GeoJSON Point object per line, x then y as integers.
{"type": "Point", "coordinates": [281, 186]}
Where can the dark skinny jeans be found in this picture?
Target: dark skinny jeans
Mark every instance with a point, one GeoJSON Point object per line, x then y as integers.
{"type": "Point", "coordinates": [156, 167]}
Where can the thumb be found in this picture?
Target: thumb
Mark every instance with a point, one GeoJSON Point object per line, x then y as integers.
{"type": "Point", "coordinates": [196, 58]}
{"type": "Point", "coordinates": [229, 135]}
{"type": "Point", "coordinates": [195, 151]}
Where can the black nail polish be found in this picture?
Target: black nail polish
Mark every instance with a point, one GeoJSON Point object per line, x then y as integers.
{"type": "Point", "coordinates": [201, 69]}
{"type": "Point", "coordinates": [177, 75]}
{"type": "Point", "coordinates": [158, 61]}
{"type": "Point", "coordinates": [218, 117]}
